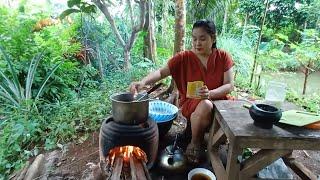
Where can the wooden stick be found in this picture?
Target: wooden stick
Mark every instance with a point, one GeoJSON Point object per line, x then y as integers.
{"type": "Point", "coordinates": [35, 169]}
{"type": "Point", "coordinates": [116, 173]}
{"type": "Point", "coordinates": [24, 171]}
{"type": "Point", "coordinates": [146, 171]}
{"type": "Point", "coordinates": [306, 154]}
{"type": "Point", "coordinates": [139, 170]}
{"type": "Point", "coordinates": [133, 168]}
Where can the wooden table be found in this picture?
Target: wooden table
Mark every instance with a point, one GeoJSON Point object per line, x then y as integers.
{"type": "Point", "coordinates": [232, 122]}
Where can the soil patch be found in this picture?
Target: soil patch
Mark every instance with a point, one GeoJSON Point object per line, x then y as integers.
{"type": "Point", "coordinates": [76, 162]}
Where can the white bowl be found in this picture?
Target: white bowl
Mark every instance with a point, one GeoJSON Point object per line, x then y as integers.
{"type": "Point", "coordinates": [201, 171]}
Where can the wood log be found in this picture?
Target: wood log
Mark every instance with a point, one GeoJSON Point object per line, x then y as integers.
{"type": "Point", "coordinates": [138, 155]}
{"type": "Point", "coordinates": [116, 173]}
{"type": "Point", "coordinates": [299, 169]}
{"type": "Point", "coordinates": [139, 169]}
{"type": "Point", "coordinates": [24, 171]}
{"type": "Point", "coordinates": [146, 171]}
{"type": "Point", "coordinates": [133, 168]}
{"type": "Point", "coordinates": [35, 168]}
{"type": "Point", "coordinates": [20, 173]}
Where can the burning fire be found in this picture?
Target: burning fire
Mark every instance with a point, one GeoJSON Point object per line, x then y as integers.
{"type": "Point", "coordinates": [126, 152]}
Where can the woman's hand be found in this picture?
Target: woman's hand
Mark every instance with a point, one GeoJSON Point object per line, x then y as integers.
{"type": "Point", "coordinates": [203, 92]}
{"type": "Point", "coordinates": [135, 87]}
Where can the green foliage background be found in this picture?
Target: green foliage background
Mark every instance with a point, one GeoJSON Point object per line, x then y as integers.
{"type": "Point", "coordinates": [76, 98]}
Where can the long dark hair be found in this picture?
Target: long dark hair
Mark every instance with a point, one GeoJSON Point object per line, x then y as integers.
{"type": "Point", "coordinates": [208, 26]}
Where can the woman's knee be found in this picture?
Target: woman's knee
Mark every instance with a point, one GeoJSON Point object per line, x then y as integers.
{"type": "Point", "coordinates": [203, 110]}
{"type": "Point", "coordinates": [204, 107]}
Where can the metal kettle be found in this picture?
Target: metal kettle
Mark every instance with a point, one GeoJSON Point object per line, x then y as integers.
{"type": "Point", "coordinates": [172, 158]}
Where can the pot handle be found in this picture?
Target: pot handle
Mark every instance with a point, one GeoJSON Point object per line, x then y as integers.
{"type": "Point", "coordinates": [154, 88]}
{"type": "Point", "coordinates": [150, 91]}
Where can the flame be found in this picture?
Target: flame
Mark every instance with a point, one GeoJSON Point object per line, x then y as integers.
{"type": "Point", "coordinates": [126, 152]}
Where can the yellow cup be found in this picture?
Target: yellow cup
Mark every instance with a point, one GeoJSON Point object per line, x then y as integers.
{"type": "Point", "coordinates": [192, 89]}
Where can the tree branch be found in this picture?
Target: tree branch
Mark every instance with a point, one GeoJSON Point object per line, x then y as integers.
{"type": "Point", "coordinates": [103, 7]}
{"type": "Point", "coordinates": [130, 12]}
{"type": "Point", "coordinates": [139, 27]}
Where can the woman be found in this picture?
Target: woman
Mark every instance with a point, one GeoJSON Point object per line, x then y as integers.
{"type": "Point", "coordinates": [203, 63]}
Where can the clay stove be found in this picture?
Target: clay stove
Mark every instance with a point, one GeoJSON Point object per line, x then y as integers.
{"type": "Point", "coordinates": [124, 147]}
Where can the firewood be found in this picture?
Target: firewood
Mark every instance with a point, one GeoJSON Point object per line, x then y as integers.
{"type": "Point", "coordinates": [306, 154]}
{"type": "Point", "coordinates": [139, 156]}
{"type": "Point", "coordinates": [146, 171]}
{"type": "Point", "coordinates": [117, 168]}
{"type": "Point", "coordinates": [35, 168]}
{"type": "Point", "coordinates": [133, 168]}
{"type": "Point", "coordinates": [139, 170]}
{"type": "Point", "coordinates": [24, 171]}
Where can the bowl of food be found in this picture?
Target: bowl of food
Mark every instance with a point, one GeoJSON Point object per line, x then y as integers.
{"type": "Point", "coordinates": [163, 113]}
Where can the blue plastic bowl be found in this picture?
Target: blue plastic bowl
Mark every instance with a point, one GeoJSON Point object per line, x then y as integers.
{"type": "Point", "coordinates": [161, 111]}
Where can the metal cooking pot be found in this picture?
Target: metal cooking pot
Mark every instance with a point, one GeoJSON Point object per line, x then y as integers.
{"type": "Point", "coordinates": [126, 110]}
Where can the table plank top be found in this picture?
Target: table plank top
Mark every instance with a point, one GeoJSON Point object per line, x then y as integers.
{"type": "Point", "coordinates": [236, 121]}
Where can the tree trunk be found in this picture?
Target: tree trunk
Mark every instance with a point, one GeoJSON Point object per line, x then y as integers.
{"type": "Point", "coordinates": [225, 18]}
{"type": "Point", "coordinates": [258, 43]}
{"type": "Point", "coordinates": [101, 63]}
{"type": "Point", "coordinates": [318, 23]}
{"type": "Point", "coordinates": [149, 48]}
{"type": "Point", "coordinates": [135, 28]}
{"type": "Point", "coordinates": [180, 21]}
{"type": "Point", "coordinates": [164, 22]}
{"type": "Point", "coordinates": [126, 55]}
{"type": "Point", "coordinates": [244, 26]}
{"type": "Point", "coordinates": [306, 75]}
{"type": "Point", "coordinates": [179, 26]}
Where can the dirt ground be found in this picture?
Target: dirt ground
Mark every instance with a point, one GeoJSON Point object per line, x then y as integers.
{"type": "Point", "coordinates": [76, 162]}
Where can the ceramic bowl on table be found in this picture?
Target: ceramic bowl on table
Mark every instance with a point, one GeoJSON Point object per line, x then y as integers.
{"type": "Point", "coordinates": [265, 116]}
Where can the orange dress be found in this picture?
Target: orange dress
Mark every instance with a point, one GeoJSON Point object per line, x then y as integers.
{"type": "Point", "coordinates": [186, 67]}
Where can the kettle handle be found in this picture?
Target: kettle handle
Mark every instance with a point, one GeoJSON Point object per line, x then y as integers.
{"type": "Point", "coordinates": [175, 144]}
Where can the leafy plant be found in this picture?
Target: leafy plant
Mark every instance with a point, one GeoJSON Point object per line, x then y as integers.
{"type": "Point", "coordinates": [77, 6]}
{"type": "Point", "coordinates": [273, 58]}
{"type": "Point", "coordinates": [307, 53]}
{"type": "Point", "coordinates": [240, 52]}
{"type": "Point", "coordinates": [11, 89]}
{"type": "Point", "coordinates": [310, 103]}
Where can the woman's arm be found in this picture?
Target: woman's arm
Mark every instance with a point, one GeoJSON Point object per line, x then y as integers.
{"type": "Point", "coordinates": [226, 88]}
{"type": "Point", "coordinates": [156, 75]}
{"type": "Point", "coordinates": [150, 79]}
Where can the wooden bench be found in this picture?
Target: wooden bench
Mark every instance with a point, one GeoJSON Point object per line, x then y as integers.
{"type": "Point", "coordinates": [232, 122]}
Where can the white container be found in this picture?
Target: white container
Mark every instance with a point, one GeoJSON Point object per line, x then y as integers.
{"type": "Point", "coordinates": [202, 171]}
{"type": "Point", "coordinates": [275, 93]}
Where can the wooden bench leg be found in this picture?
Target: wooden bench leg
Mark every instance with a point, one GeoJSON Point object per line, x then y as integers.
{"type": "Point", "coordinates": [217, 165]}
{"type": "Point", "coordinates": [216, 137]}
{"type": "Point", "coordinates": [213, 147]}
{"type": "Point", "coordinates": [258, 161]}
{"type": "Point", "coordinates": [299, 168]}
{"type": "Point", "coordinates": [233, 167]}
